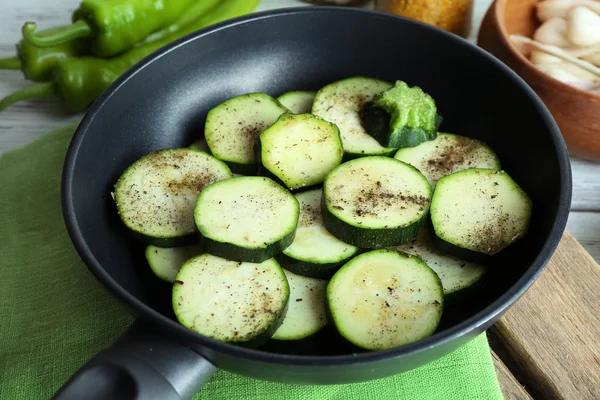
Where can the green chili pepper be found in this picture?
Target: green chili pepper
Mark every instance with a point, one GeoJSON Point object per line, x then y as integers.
{"type": "Point", "coordinates": [80, 80]}
{"type": "Point", "coordinates": [36, 63]}
{"type": "Point", "coordinates": [111, 27]}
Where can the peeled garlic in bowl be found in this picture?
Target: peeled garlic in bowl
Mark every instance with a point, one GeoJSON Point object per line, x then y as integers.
{"type": "Point", "coordinates": [566, 46]}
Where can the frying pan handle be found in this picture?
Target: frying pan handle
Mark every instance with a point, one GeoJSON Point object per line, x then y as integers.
{"type": "Point", "coordinates": [140, 365]}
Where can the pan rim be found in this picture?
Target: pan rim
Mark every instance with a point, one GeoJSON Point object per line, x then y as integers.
{"type": "Point", "coordinates": [472, 325]}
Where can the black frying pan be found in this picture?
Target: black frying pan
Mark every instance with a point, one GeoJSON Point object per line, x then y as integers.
{"type": "Point", "coordinates": [162, 102]}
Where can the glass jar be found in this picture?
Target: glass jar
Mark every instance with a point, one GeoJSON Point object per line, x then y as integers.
{"type": "Point", "coordinates": [451, 15]}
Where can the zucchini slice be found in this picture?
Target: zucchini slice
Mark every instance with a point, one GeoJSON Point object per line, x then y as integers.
{"type": "Point", "coordinates": [306, 308]}
{"type": "Point", "coordinates": [480, 210]}
{"type": "Point", "coordinates": [232, 127]}
{"type": "Point", "coordinates": [401, 116]}
{"type": "Point", "coordinates": [165, 262]}
{"type": "Point", "coordinates": [315, 252]}
{"type": "Point", "coordinates": [298, 102]}
{"type": "Point", "coordinates": [384, 299]}
{"type": "Point", "coordinates": [299, 150]}
{"type": "Point", "coordinates": [155, 196]}
{"type": "Point", "coordinates": [201, 145]}
{"type": "Point", "coordinates": [456, 274]}
{"type": "Point", "coordinates": [375, 202]}
{"type": "Point", "coordinates": [341, 102]}
{"type": "Point", "coordinates": [239, 302]}
{"type": "Point", "coordinates": [447, 154]}
{"type": "Point", "coordinates": [250, 218]}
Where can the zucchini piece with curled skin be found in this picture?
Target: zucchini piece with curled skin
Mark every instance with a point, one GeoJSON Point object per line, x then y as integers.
{"type": "Point", "coordinates": [340, 103]}
{"type": "Point", "coordinates": [298, 102]}
{"type": "Point", "coordinates": [250, 218]}
{"type": "Point", "coordinates": [236, 302]}
{"type": "Point", "coordinates": [478, 212]}
{"type": "Point", "coordinates": [156, 195]}
{"type": "Point", "coordinates": [384, 299]}
{"type": "Point", "coordinates": [401, 116]}
{"type": "Point", "coordinates": [375, 202]}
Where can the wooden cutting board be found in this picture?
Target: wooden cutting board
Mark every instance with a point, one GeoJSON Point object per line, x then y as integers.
{"type": "Point", "coordinates": [547, 346]}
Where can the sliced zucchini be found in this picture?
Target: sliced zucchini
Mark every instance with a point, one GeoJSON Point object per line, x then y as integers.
{"type": "Point", "coordinates": [231, 301]}
{"type": "Point", "coordinates": [455, 273]}
{"type": "Point", "coordinates": [232, 127]}
{"type": "Point", "coordinates": [299, 150]}
{"type": "Point", "coordinates": [315, 252]}
{"type": "Point", "coordinates": [447, 154]}
{"type": "Point", "coordinates": [401, 116]}
{"type": "Point", "coordinates": [341, 103]}
{"type": "Point", "coordinates": [250, 218]}
{"type": "Point", "coordinates": [201, 145]}
{"type": "Point", "coordinates": [156, 195]}
{"type": "Point", "coordinates": [165, 262]}
{"type": "Point", "coordinates": [480, 210]}
{"type": "Point", "coordinates": [298, 102]}
{"type": "Point", "coordinates": [375, 202]}
{"type": "Point", "coordinates": [306, 310]}
{"type": "Point", "coordinates": [384, 299]}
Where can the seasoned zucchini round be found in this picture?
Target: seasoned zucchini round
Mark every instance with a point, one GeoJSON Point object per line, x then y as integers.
{"type": "Point", "coordinates": [250, 218]}
{"type": "Point", "coordinates": [341, 103]}
{"type": "Point", "coordinates": [156, 195]}
{"type": "Point", "coordinates": [230, 301]}
{"type": "Point", "coordinates": [480, 210]}
{"type": "Point", "coordinates": [383, 299]}
{"type": "Point", "coordinates": [375, 202]}
{"type": "Point", "coordinates": [299, 150]}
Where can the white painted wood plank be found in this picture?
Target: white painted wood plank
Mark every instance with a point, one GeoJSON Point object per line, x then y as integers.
{"type": "Point", "coordinates": [585, 227]}
{"type": "Point", "coordinates": [586, 185]}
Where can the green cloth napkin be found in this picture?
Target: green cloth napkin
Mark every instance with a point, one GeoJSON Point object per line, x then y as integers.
{"type": "Point", "coordinates": [54, 315]}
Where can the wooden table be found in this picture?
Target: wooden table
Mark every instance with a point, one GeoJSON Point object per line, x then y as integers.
{"type": "Point", "coordinates": [546, 371]}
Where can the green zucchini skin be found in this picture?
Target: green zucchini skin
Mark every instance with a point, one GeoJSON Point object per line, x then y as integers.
{"type": "Point", "coordinates": [166, 263]}
{"type": "Point", "coordinates": [465, 254]}
{"type": "Point", "coordinates": [227, 216]}
{"type": "Point", "coordinates": [231, 129]}
{"type": "Point", "coordinates": [300, 150]}
{"type": "Point", "coordinates": [340, 103]}
{"type": "Point", "coordinates": [479, 210]}
{"type": "Point", "coordinates": [183, 291]}
{"type": "Point", "coordinates": [372, 237]}
{"type": "Point", "coordinates": [401, 117]}
{"type": "Point", "coordinates": [369, 238]}
{"type": "Point", "coordinates": [142, 193]}
{"type": "Point", "coordinates": [456, 274]}
{"type": "Point", "coordinates": [311, 270]}
{"type": "Point", "coordinates": [407, 270]}
{"type": "Point", "coordinates": [447, 154]}
{"type": "Point", "coordinates": [233, 252]}
{"type": "Point", "coordinates": [306, 308]}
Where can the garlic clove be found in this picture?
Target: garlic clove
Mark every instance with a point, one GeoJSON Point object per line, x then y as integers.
{"type": "Point", "coordinates": [557, 72]}
{"type": "Point", "coordinates": [540, 57]}
{"type": "Point", "coordinates": [548, 9]}
{"type": "Point", "coordinates": [553, 32]}
{"type": "Point", "coordinates": [594, 58]}
{"type": "Point", "coordinates": [583, 26]}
